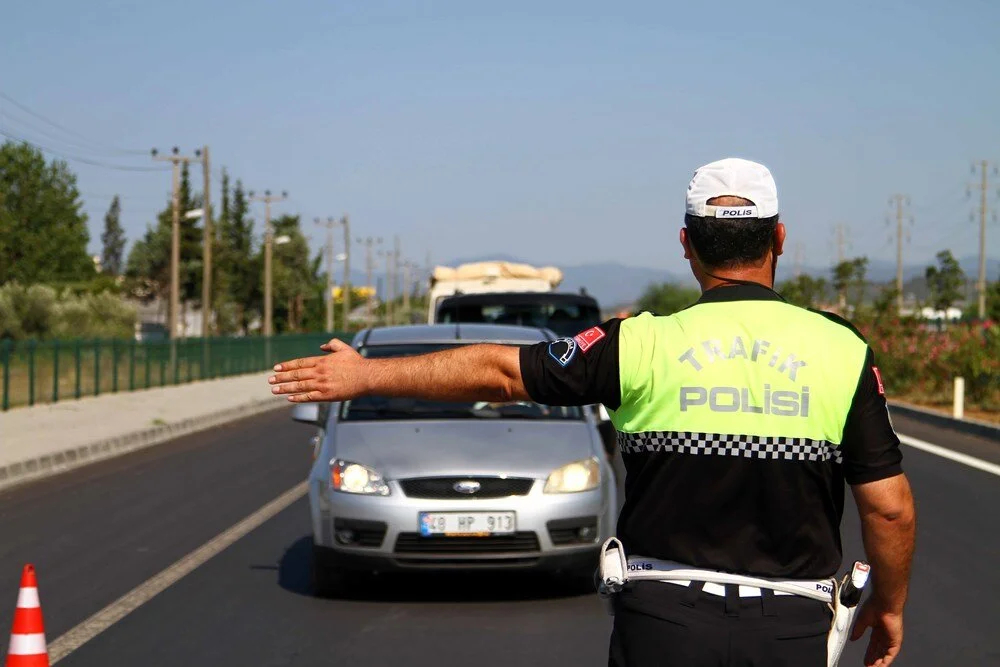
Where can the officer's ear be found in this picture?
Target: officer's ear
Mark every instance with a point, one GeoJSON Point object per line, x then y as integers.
{"type": "Point", "coordinates": [685, 243]}
{"type": "Point", "coordinates": [779, 238]}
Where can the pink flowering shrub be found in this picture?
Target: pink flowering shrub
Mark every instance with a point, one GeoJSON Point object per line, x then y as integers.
{"type": "Point", "coordinates": [919, 362]}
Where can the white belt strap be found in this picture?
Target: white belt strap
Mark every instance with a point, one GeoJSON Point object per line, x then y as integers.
{"type": "Point", "coordinates": [652, 569]}
{"type": "Point", "coordinates": [842, 596]}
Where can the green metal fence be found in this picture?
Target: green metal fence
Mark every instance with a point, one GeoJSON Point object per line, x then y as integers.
{"type": "Point", "coordinates": [50, 371]}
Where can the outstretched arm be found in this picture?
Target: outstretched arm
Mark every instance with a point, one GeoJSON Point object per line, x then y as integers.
{"type": "Point", "coordinates": [888, 529]}
{"type": "Point", "coordinates": [465, 373]}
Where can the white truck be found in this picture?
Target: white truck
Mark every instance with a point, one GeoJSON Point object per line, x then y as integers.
{"type": "Point", "coordinates": [485, 277]}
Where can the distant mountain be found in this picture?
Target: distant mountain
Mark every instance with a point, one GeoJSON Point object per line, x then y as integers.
{"type": "Point", "coordinates": [615, 284]}
{"type": "Point", "coordinates": [883, 271]}
{"type": "Point", "coordinates": [611, 283]}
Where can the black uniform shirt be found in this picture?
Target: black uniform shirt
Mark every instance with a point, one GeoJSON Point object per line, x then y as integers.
{"type": "Point", "coordinates": [724, 512]}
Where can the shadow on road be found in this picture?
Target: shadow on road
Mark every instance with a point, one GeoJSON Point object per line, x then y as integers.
{"type": "Point", "coordinates": [423, 586]}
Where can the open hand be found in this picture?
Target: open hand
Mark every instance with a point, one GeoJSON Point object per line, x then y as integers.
{"type": "Point", "coordinates": [886, 637]}
{"type": "Point", "coordinates": [337, 376]}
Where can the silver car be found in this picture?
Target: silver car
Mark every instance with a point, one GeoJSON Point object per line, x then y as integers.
{"type": "Point", "coordinates": [403, 484]}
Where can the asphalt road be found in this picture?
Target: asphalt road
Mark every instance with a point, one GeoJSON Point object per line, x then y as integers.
{"type": "Point", "coordinates": [97, 532]}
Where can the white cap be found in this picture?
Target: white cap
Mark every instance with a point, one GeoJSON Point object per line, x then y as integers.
{"type": "Point", "coordinates": [733, 177]}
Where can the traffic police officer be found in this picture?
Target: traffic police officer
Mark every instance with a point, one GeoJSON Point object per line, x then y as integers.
{"type": "Point", "coordinates": [740, 419]}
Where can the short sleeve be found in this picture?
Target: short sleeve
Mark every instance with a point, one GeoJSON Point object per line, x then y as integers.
{"type": "Point", "coordinates": [636, 351]}
{"type": "Point", "coordinates": [582, 370]}
{"type": "Point", "coordinates": [870, 445]}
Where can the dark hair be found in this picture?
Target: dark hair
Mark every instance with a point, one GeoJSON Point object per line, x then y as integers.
{"type": "Point", "coordinates": [729, 243]}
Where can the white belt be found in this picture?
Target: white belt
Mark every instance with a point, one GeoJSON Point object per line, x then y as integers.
{"type": "Point", "coordinates": [720, 589]}
{"type": "Point", "coordinates": [842, 596]}
{"type": "Point", "coordinates": [654, 569]}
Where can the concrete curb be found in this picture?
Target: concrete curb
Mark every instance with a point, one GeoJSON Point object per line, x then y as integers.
{"type": "Point", "coordinates": [54, 463]}
{"type": "Point", "coordinates": [970, 426]}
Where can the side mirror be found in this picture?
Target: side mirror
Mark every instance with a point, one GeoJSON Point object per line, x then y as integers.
{"type": "Point", "coordinates": [306, 413]}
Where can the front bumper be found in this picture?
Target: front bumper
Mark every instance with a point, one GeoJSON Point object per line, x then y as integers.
{"type": "Point", "coordinates": [555, 532]}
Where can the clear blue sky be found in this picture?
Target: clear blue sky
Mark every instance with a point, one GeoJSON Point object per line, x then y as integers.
{"type": "Point", "coordinates": [561, 132]}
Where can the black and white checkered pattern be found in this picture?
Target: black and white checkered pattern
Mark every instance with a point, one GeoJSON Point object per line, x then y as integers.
{"type": "Point", "coordinates": [747, 446]}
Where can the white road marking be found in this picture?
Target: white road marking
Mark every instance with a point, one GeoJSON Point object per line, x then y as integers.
{"type": "Point", "coordinates": [943, 452]}
{"type": "Point", "coordinates": [144, 592]}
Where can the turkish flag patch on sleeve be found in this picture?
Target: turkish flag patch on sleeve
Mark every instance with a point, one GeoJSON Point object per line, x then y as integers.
{"type": "Point", "coordinates": [878, 378]}
{"type": "Point", "coordinates": [587, 339]}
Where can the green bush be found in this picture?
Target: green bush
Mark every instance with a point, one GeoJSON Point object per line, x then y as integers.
{"type": "Point", "coordinates": [40, 312]}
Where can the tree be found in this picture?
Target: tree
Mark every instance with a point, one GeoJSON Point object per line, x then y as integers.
{"type": "Point", "coordinates": [191, 240]}
{"type": "Point", "coordinates": [295, 276]}
{"type": "Point", "coordinates": [842, 274]}
{"type": "Point", "coordinates": [149, 259]}
{"type": "Point", "coordinates": [43, 231]}
{"type": "Point", "coordinates": [885, 302]}
{"type": "Point", "coordinates": [804, 290]}
{"type": "Point", "coordinates": [859, 266]}
{"type": "Point", "coordinates": [667, 298]}
{"type": "Point", "coordinates": [239, 267]}
{"type": "Point", "coordinates": [993, 302]}
{"type": "Point", "coordinates": [945, 281]}
{"type": "Point", "coordinates": [113, 240]}
{"type": "Point", "coordinates": [847, 276]}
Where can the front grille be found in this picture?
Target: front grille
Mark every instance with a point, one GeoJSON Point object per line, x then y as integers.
{"type": "Point", "coordinates": [444, 487]}
{"type": "Point", "coordinates": [414, 543]}
{"type": "Point", "coordinates": [566, 531]}
{"type": "Point", "coordinates": [363, 533]}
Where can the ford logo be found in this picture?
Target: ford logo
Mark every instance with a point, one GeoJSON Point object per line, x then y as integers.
{"type": "Point", "coordinates": [467, 486]}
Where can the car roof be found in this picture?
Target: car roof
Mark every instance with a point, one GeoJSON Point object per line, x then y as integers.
{"type": "Point", "coordinates": [451, 333]}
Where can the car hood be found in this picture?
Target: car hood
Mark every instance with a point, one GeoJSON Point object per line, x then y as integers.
{"type": "Point", "coordinates": [518, 448]}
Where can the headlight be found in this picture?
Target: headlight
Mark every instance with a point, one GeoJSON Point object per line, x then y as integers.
{"type": "Point", "coordinates": [574, 477]}
{"type": "Point", "coordinates": [348, 477]}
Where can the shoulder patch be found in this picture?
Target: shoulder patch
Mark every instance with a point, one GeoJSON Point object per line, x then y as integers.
{"type": "Point", "coordinates": [586, 339]}
{"type": "Point", "coordinates": [878, 378]}
{"type": "Point", "coordinates": [563, 350]}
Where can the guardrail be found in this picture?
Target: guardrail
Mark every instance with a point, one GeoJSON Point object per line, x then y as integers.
{"type": "Point", "coordinates": [34, 371]}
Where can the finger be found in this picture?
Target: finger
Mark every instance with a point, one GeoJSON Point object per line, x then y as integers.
{"type": "Point", "coordinates": [308, 397]}
{"type": "Point", "coordinates": [292, 376]}
{"type": "Point", "coordinates": [294, 364]}
{"type": "Point", "coordinates": [300, 387]}
{"type": "Point", "coordinates": [873, 656]}
{"type": "Point", "coordinates": [334, 345]}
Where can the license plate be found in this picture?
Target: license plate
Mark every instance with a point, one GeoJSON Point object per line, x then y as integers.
{"type": "Point", "coordinates": [480, 524]}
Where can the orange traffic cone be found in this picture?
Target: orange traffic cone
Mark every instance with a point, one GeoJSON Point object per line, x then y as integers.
{"type": "Point", "coordinates": [27, 639]}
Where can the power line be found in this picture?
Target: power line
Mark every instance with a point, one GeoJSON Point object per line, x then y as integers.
{"type": "Point", "coordinates": [26, 109]}
{"type": "Point", "coordinates": [77, 158]}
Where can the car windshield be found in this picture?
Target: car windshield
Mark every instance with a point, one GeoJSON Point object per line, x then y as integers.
{"type": "Point", "coordinates": [381, 408]}
{"type": "Point", "coordinates": [564, 317]}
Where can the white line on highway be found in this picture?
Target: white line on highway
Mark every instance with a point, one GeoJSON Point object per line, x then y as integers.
{"type": "Point", "coordinates": [144, 592]}
{"type": "Point", "coordinates": [958, 457]}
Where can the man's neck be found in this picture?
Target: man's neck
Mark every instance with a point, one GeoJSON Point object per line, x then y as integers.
{"type": "Point", "coordinates": [720, 277]}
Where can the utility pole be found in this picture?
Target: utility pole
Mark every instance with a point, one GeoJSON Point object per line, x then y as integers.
{"type": "Point", "coordinates": [176, 159]}
{"type": "Point", "coordinates": [330, 223]}
{"type": "Point", "coordinates": [407, 265]}
{"type": "Point", "coordinates": [347, 270]}
{"type": "Point", "coordinates": [396, 254]}
{"type": "Point", "coordinates": [900, 202]}
{"type": "Point", "coordinates": [983, 186]}
{"type": "Point", "coordinates": [208, 240]}
{"type": "Point", "coordinates": [840, 244]}
{"type": "Point", "coordinates": [268, 199]}
{"type": "Point", "coordinates": [388, 285]}
{"type": "Point", "coordinates": [369, 242]}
